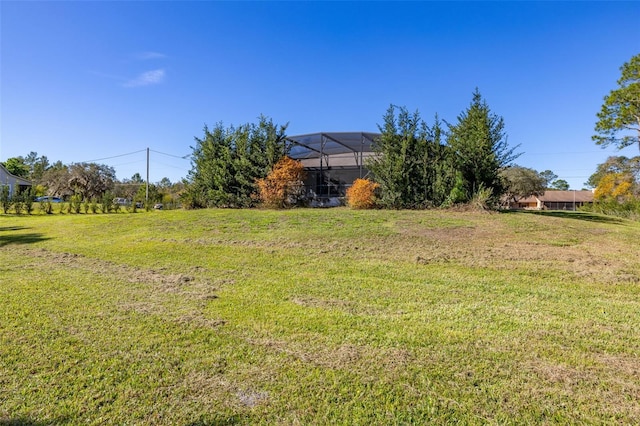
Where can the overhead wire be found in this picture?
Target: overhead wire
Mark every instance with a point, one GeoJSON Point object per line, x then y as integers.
{"type": "Point", "coordinates": [184, 157]}
{"type": "Point", "coordinates": [115, 156]}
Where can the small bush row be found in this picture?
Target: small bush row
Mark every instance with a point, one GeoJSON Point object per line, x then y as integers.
{"type": "Point", "coordinates": [24, 203]}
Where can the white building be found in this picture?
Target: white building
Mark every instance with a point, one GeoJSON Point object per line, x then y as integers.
{"type": "Point", "coordinates": [16, 184]}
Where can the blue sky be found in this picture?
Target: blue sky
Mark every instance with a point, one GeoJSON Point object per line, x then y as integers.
{"type": "Point", "coordinates": [83, 81]}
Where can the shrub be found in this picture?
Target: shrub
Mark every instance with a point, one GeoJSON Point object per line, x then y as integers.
{"type": "Point", "coordinates": [614, 186]}
{"type": "Point", "coordinates": [483, 199]}
{"type": "Point", "coordinates": [28, 200]}
{"type": "Point", "coordinates": [362, 194]}
{"type": "Point", "coordinates": [629, 209]}
{"type": "Point", "coordinates": [5, 200]}
{"type": "Point", "coordinates": [192, 199]}
{"type": "Point", "coordinates": [46, 207]}
{"type": "Point", "coordinates": [18, 203]}
{"type": "Point", "coordinates": [107, 203]}
{"type": "Point", "coordinates": [76, 203]}
{"type": "Point", "coordinates": [283, 187]}
{"type": "Point", "coordinates": [93, 206]}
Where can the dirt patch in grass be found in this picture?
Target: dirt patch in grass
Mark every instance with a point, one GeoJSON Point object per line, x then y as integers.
{"type": "Point", "coordinates": [342, 357]}
{"type": "Point", "coordinates": [346, 306]}
{"type": "Point", "coordinates": [162, 283]}
{"type": "Point", "coordinates": [198, 319]}
{"type": "Point", "coordinates": [610, 385]}
{"type": "Point", "coordinates": [580, 259]}
{"type": "Point", "coordinates": [168, 281]}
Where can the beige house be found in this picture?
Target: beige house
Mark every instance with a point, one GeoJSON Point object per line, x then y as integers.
{"type": "Point", "coordinates": [554, 200]}
{"type": "Point", "coordinates": [16, 184]}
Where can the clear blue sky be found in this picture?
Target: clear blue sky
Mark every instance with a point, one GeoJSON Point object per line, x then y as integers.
{"type": "Point", "coordinates": [84, 81]}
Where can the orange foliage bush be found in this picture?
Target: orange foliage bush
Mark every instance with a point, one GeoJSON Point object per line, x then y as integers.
{"type": "Point", "coordinates": [283, 186]}
{"type": "Point", "coordinates": [362, 194]}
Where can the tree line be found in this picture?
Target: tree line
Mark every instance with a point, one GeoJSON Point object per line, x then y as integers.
{"type": "Point", "coordinates": [415, 165]}
{"type": "Point", "coordinates": [86, 181]}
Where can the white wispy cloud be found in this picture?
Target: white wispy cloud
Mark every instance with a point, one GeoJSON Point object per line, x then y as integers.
{"type": "Point", "coordinates": [147, 78]}
{"type": "Point", "coordinates": [150, 55]}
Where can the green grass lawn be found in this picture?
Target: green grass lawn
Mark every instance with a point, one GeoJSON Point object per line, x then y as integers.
{"type": "Point", "coordinates": [319, 317]}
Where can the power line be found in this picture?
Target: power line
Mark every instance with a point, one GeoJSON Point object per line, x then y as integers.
{"type": "Point", "coordinates": [115, 156]}
{"type": "Point", "coordinates": [184, 157]}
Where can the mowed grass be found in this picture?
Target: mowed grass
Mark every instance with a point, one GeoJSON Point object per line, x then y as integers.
{"type": "Point", "coordinates": [319, 317]}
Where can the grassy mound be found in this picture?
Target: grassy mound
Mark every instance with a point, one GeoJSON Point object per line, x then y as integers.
{"type": "Point", "coordinates": [319, 317]}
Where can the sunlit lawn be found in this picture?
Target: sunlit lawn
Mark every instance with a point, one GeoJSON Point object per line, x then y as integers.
{"type": "Point", "coordinates": [319, 317]}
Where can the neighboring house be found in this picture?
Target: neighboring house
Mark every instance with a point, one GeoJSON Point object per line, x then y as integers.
{"type": "Point", "coordinates": [16, 184]}
{"type": "Point", "coordinates": [554, 200]}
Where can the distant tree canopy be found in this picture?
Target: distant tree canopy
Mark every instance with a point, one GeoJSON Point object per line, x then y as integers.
{"type": "Point", "coordinates": [86, 181]}
{"type": "Point", "coordinates": [551, 181]}
{"type": "Point", "coordinates": [90, 180]}
{"type": "Point", "coordinates": [31, 167]}
{"type": "Point", "coordinates": [560, 185]}
{"type": "Point", "coordinates": [615, 164]}
{"type": "Point", "coordinates": [17, 167]}
{"type": "Point", "coordinates": [522, 182]}
{"type": "Point", "coordinates": [227, 162]}
{"type": "Point", "coordinates": [548, 177]}
{"type": "Point", "coordinates": [619, 119]}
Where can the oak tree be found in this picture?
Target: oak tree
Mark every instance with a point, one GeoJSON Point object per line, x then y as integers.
{"type": "Point", "coordinates": [521, 182]}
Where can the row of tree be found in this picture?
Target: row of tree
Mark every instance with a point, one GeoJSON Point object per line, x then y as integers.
{"type": "Point", "coordinates": [228, 162]}
{"type": "Point", "coordinates": [88, 181]}
{"type": "Point", "coordinates": [419, 166]}
{"type": "Point", "coordinates": [414, 166]}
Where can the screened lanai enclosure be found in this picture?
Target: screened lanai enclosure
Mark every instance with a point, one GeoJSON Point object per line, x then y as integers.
{"type": "Point", "coordinates": [332, 160]}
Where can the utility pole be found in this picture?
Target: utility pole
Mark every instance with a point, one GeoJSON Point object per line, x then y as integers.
{"type": "Point", "coordinates": [146, 196]}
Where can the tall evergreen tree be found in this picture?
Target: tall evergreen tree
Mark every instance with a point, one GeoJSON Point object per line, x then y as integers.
{"type": "Point", "coordinates": [479, 148]}
{"type": "Point", "coordinates": [227, 162]}
{"type": "Point", "coordinates": [409, 161]}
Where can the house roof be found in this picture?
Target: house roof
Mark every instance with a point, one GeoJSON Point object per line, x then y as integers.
{"type": "Point", "coordinates": [17, 179]}
{"type": "Point", "coordinates": [315, 145]}
{"type": "Point", "coordinates": [567, 196]}
{"type": "Point", "coordinates": [553, 196]}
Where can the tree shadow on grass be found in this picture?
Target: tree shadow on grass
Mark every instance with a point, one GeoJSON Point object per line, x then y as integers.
{"type": "Point", "coordinates": [586, 216]}
{"type": "Point", "coordinates": [8, 237]}
{"type": "Point", "coordinates": [23, 421]}
{"type": "Point", "coordinates": [220, 420]}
